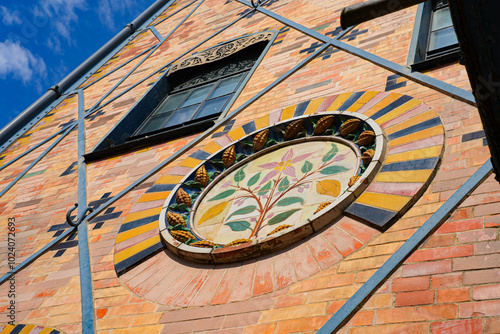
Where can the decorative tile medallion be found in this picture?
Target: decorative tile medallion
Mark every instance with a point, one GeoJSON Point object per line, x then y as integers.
{"type": "Point", "coordinates": [272, 187]}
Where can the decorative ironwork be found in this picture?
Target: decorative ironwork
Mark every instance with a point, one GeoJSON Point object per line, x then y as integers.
{"type": "Point", "coordinates": [221, 51]}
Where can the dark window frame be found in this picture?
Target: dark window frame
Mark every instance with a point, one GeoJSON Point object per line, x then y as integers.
{"type": "Point", "coordinates": [420, 58]}
{"type": "Point", "coordinates": [121, 139]}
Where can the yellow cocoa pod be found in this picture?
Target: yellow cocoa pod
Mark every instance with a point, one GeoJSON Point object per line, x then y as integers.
{"type": "Point", "coordinates": [367, 156]}
{"type": "Point", "coordinates": [260, 140]}
{"type": "Point", "coordinates": [175, 219]}
{"type": "Point", "coordinates": [353, 180]}
{"type": "Point", "coordinates": [182, 236]}
{"type": "Point", "coordinates": [229, 156]}
{"type": "Point", "coordinates": [182, 197]}
{"type": "Point", "coordinates": [366, 138]}
{"type": "Point", "coordinates": [201, 176]}
{"type": "Point", "coordinates": [322, 206]}
{"type": "Point", "coordinates": [203, 244]}
{"type": "Point", "coordinates": [328, 187]}
{"type": "Point", "coordinates": [349, 126]}
{"type": "Point", "coordinates": [279, 228]}
{"type": "Point", "coordinates": [237, 242]}
{"type": "Point", "coordinates": [323, 124]}
{"type": "Point", "coordinates": [293, 129]}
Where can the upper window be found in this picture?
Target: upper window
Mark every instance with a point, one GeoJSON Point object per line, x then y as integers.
{"type": "Point", "coordinates": [188, 98]}
{"type": "Point", "coordinates": [434, 40]}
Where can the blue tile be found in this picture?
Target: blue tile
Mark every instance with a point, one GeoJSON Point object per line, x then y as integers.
{"type": "Point", "coordinates": [416, 128]}
{"type": "Point", "coordinates": [399, 102]}
{"type": "Point", "coordinates": [429, 163]}
{"type": "Point", "coordinates": [249, 127]}
{"type": "Point", "coordinates": [17, 329]}
{"type": "Point", "coordinates": [127, 264]}
{"type": "Point", "coordinates": [66, 245]}
{"type": "Point", "coordinates": [350, 101]}
{"type": "Point", "coordinates": [376, 216]}
{"type": "Point", "coordinates": [472, 136]}
{"type": "Point", "coordinates": [137, 223]}
{"type": "Point", "coordinates": [301, 108]}
{"type": "Point", "coordinates": [200, 155]}
{"type": "Point", "coordinates": [156, 188]}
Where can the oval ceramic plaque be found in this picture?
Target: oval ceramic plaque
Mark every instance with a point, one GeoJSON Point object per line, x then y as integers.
{"type": "Point", "coordinates": [271, 188]}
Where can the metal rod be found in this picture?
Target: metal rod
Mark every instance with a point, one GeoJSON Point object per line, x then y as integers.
{"type": "Point", "coordinates": [369, 10]}
{"type": "Point", "coordinates": [430, 82]}
{"type": "Point", "coordinates": [87, 298]}
{"type": "Point", "coordinates": [36, 160]}
{"type": "Point", "coordinates": [178, 10]}
{"type": "Point", "coordinates": [349, 309]}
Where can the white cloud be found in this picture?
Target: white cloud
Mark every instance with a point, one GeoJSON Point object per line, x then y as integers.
{"type": "Point", "coordinates": [9, 17]}
{"type": "Point", "coordinates": [19, 62]}
{"type": "Point", "coordinates": [62, 13]}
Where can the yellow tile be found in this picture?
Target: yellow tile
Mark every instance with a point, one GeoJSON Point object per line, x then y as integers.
{"type": "Point", "coordinates": [428, 152]}
{"type": "Point", "coordinates": [338, 101]}
{"type": "Point", "coordinates": [288, 112]}
{"type": "Point", "coordinates": [148, 197]}
{"type": "Point", "coordinates": [362, 101]}
{"type": "Point", "coordinates": [190, 162]}
{"type": "Point", "coordinates": [46, 330]}
{"type": "Point", "coordinates": [131, 251]}
{"type": "Point", "coordinates": [27, 329]}
{"type": "Point", "coordinates": [143, 150]}
{"type": "Point", "coordinates": [313, 106]}
{"type": "Point", "coordinates": [382, 104]}
{"type": "Point", "coordinates": [211, 147]}
{"type": "Point", "coordinates": [7, 329]}
{"type": "Point", "coordinates": [437, 130]}
{"type": "Point", "coordinates": [142, 214]}
{"type": "Point", "coordinates": [404, 176]}
{"type": "Point", "coordinates": [384, 201]}
{"type": "Point", "coordinates": [136, 231]}
{"type": "Point", "coordinates": [262, 122]}
{"type": "Point", "coordinates": [399, 111]}
{"type": "Point", "coordinates": [170, 179]}
{"type": "Point", "coordinates": [430, 114]}
{"type": "Point", "coordinates": [237, 133]}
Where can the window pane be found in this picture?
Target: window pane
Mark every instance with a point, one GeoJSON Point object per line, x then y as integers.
{"type": "Point", "coordinates": [182, 115]}
{"type": "Point", "coordinates": [154, 123]}
{"type": "Point", "coordinates": [226, 86]}
{"type": "Point", "coordinates": [441, 19]}
{"type": "Point", "coordinates": [197, 95]}
{"type": "Point", "coordinates": [213, 106]}
{"type": "Point", "coordinates": [442, 38]}
{"type": "Point", "coordinates": [171, 102]}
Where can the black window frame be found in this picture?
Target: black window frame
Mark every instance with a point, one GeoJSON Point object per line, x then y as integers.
{"type": "Point", "coordinates": [420, 57]}
{"type": "Point", "coordinates": [122, 137]}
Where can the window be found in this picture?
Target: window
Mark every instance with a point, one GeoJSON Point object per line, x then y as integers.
{"type": "Point", "coordinates": [189, 97]}
{"type": "Point", "coordinates": [201, 97]}
{"type": "Point", "coordinates": [434, 40]}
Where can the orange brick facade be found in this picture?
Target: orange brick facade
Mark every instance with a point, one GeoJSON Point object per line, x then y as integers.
{"type": "Point", "coordinates": [451, 284]}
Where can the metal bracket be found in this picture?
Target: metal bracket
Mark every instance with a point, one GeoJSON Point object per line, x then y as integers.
{"type": "Point", "coordinates": [78, 220]}
{"type": "Point", "coordinates": [256, 3]}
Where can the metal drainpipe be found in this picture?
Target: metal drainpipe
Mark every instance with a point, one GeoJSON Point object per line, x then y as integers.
{"type": "Point", "coordinates": [56, 91]}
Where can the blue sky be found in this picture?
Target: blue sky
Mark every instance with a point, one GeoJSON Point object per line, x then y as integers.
{"type": "Point", "coordinates": [41, 41]}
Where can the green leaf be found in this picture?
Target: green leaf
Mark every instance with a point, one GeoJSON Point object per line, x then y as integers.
{"type": "Point", "coordinates": [212, 175]}
{"type": "Point", "coordinates": [253, 180]}
{"type": "Point", "coordinates": [333, 170]}
{"type": "Point", "coordinates": [282, 216]}
{"type": "Point", "coordinates": [243, 211]}
{"type": "Point", "coordinates": [307, 167]}
{"type": "Point", "coordinates": [247, 143]}
{"type": "Point", "coordinates": [239, 225]}
{"type": "Point", "coordinates": [284, 184]}
{"type": "Point", "coordinates": [193, 196]}
{"type": "Point", "coordinates": [240, 175]}
{"type": "Point", "coordinates": [218, 163]}
{"type": "Point", "coordinates": [179, 227]}
{"type": "Point", "coordinates": [179, 207]}
{"type": "Point", "coordinates": [290, 201]}
{"type": "Point", "coordinates": [240, 157]}
{"type": "Point", "coordinates": [193, 184]}
{"type": "Point", "coordinates": [223, 194]}
{"type": "Point", "coordinates": [328, 132]}
{"type": "Point", "coordinates": [331, 154]}
{"type": "Point", "coordinates": [262, 191]}
{"type": "Point", "coordinates": [271, 142]}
